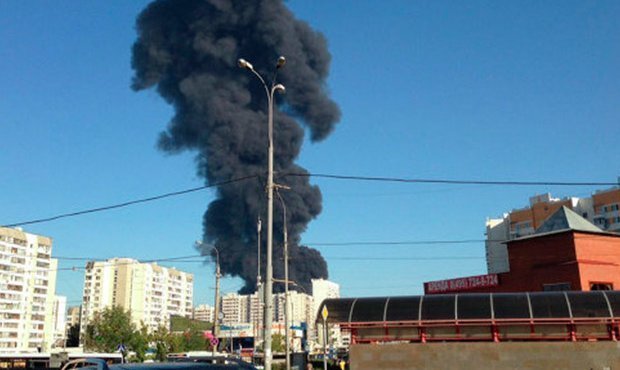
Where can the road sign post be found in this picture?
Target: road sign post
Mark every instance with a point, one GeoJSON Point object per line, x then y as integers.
{"type": "Point", "coordinates": [324, 314]}
{"type": "Point", "coordinates": [123, 350]}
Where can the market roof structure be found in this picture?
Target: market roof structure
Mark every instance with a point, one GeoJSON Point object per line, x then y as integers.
{"type": "Point", "coordinates": [481, 306]}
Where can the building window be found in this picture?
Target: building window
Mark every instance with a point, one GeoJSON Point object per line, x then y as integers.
{"type": "Point", "coordinates": [556, 287]}
{"type": "Point", "coordinates": [601, 286]}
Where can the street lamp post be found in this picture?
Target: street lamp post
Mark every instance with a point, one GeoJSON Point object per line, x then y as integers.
{"type": "Point", "coordinates": [270, 90]}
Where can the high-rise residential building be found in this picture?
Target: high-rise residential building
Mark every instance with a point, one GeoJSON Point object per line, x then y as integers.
{"type": "Point", "coordinates": [150, 292]}
{"type": "Point", "coordinates": [235, 308]}
{"type": "Point", "coordinates": [203, 312]}
{"type": "Point", "coordinates": [323, 289]}
{"type": "Point", "coordinates": [73, 316]}
{"type": "Point", "coordinates": [301, 307]}
{"type": "Point", "coordinates": [244, 309]}
{"type": "Point", "coordinates": [59, 319]}
{"type": "Point", "coordinates": [27, 289]}
{"type": "Point", "coordinates": [602, 209]}
{"type": "Point", "coordinates": [256, 309]}
{"type": "Point", "coordinates": [243, 314]}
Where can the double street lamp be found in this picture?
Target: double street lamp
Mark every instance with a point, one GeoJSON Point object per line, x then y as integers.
{"type": "Point", "coordinates": [270, 90]}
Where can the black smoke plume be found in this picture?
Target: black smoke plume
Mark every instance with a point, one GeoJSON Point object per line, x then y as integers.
{"type": "Point", "coordinates": [188, 50]}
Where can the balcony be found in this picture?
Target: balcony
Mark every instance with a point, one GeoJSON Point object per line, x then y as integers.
{"type": "Point", "coordinates": [11, 308]}
{"type": "Point", "coordinates": [18, 261]}
{"type": "Point", "coordinates": [9, 327]}
{"type": "Point", "coordinates": [43, 256]}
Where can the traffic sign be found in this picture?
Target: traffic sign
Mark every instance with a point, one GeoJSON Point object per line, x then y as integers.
{"type": "Point", "coordinates": [324, 312]}
{"type": "Point", "coordinates": [214, 341]}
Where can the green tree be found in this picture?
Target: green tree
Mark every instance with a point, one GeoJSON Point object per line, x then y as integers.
{"type": "Point", "coordinates": [140, 342]}
{"type": "Point", "coordinates": [194, 340]}
{"type": "Point", "coordinates": [163, 343]}
{"type": "Point", "coordinates": [277, 343]}
{"type": "Point", "coordinates": [175, 343]}
{"type": "Point", "coordinates": [111, 327]}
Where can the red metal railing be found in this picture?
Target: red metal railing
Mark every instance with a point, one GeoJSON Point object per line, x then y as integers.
{"type": "Point", "coordinates": [496, 330]}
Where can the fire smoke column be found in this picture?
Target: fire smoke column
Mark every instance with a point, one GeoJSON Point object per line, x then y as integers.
{"type": "Point", "coordinates": [187, 50]}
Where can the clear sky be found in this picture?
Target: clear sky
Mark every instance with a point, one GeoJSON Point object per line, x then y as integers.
{"type": "Point", "coordinates": [480, 90]}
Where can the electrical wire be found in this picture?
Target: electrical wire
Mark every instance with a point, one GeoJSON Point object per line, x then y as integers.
{"type": "Point", "coordinates": [444, 181]}
{"type": "Point", "coordinates": [105, 263]}
{"type": "Point", "coordinates": [129, 203]}
{"type": "Point", "coordinates": [316, 175]}
{"type": "Point", "coordinates": [447, 258]}
{"type": "Point", "coordinates": [415, 242]}
{"type": "Point", "coordinates": [352, 259]}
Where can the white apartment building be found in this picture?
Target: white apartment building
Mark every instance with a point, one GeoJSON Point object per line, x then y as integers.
{"type": "Point", "coordinates": [27, 289]}
{"type": "Point", "coordinates": [301, 308]}
{"type": "Point", "coordinates": [73, 316]}
{"type": "Point", "coordinates": [204, 312]}
{"type": "Point", "coordinates": [321, 290]}
{"type": "Point", "coordinates": [243, 315]}
{"type": "Point", "coordinates": [151, 293]}
{"type": "Point", "coordinates": [59, 319]}
{"type": "Point", "coordinates": [235, 308]}
{"type": "Point", "coordinates": [602, 209]}
{"type": "Point", "coordinates": [247, 309]}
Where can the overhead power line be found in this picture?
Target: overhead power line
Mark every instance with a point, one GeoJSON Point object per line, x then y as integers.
{"type": "Point", "coordinates": [445, 181]}
{"type": "Point", "coordinates": [316, 175]}
{"type": "Point", "coordinates": [105, 259]}
{"type": "Point", "coordinates": [401, 258]}
{"type": "Point", "coordinates": [106, 263]}
{"type": "Point", "coordinates": [129, 203]}
{"type": "Point", "coordinates": [410, 242]}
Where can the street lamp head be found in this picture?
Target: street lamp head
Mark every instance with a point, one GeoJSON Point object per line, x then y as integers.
{"type": "Point", "coordinates": [242, 63]}
{"type": "Point", "coordinates": [280, 88]}
{"type": "Point", "coordinates": [211, 246]}
{"type": "Point", "coordinates": [281, 62]}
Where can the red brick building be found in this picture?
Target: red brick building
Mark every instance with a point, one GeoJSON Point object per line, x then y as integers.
{"type": "Point", "coordinates": [566, 252]}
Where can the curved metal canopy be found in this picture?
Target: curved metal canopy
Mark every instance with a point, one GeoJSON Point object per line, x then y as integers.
{"type": "Point", "coordinates": [477, 306]}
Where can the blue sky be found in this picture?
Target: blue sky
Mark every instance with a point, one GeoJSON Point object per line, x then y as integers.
{"type": "Point", "coordinates": [479, 90]}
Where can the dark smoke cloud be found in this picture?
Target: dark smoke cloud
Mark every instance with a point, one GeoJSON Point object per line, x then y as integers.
{"type": "Point", "coordinates": [188, 50]}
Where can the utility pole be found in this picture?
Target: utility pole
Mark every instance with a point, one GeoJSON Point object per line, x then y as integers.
{"type": "Point", "coordinates": [287, 334]}
{"type": "Point", "coordinates": [259, 297]}
{"type": "Point", "coordinates": [287, 329]}
{"type": "Point", "coordinates": [216, 313]}
{"type": "Point", "coordinates": [216, 327]}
